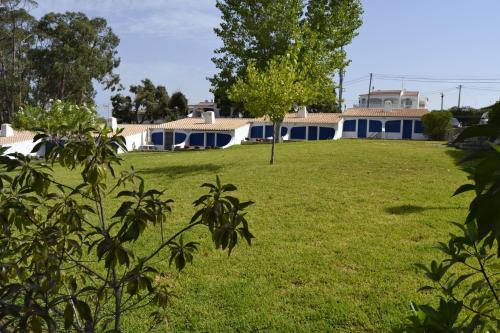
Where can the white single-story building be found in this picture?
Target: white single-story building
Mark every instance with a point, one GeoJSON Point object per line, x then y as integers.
{"type": "Point", "coordinates": [17, 141]}
{"type": "Point", "coordinates": [300, 126]}
{"type": "Point", "coordinates": [22, 141]}
{"type": "Point", "coordinates": [200, 132]}
{"type": "Point", "coordinates": [386, 123]}
{"type": "Point", "coordinates": [211, 132]}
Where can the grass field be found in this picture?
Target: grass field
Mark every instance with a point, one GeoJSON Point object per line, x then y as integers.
{"type": "Point", "coordinates": [338, 227]}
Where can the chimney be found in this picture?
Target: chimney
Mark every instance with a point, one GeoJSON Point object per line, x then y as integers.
{"type": "Point", "coordinates": [6, 130]}
{"type": "Point", "coordinates": [387, 106]}
{"type": "Point", "coordinates": [112, 123]}
{"type": "Point", "coordinates": [302, 112]}
{"type": "Point", "coordinates": [208, 117]}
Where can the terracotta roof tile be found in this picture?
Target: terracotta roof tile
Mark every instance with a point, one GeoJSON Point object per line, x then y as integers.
{"type": "Point", "coordinates": [19, 136]}
{"type": "Point", "coordinates": [312, 118]}
{"type": "Point", "coordinates": [398, 113]}
{"type": "Point", "coordinates": [220, 124]}
{"type": "Point", "coordinates": [391, 92]}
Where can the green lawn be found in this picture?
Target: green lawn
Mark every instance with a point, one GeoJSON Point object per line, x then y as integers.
{"type": "Point", "coordinates": [338, 227]}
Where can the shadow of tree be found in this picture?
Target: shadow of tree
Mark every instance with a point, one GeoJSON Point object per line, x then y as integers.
{"type": "Point", "coordinates": [459, 157]}
{"type": "Point", "coordinates": [412, 209]}
{"type": "Point", "coordinates": [179, 171]}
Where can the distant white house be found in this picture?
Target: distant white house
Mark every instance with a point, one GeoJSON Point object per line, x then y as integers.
{"type": "Point", "coordinates": [402, 99]}
{"type": "Point", "coordinates": [196, 110]}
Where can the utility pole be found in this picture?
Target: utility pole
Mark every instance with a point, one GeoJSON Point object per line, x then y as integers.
{"type": "Point", "coordinates": [442, 97]}
{"type": "Point", "coordinates": [341, 82]}
{"type": "Point", "coordinates": [341, 88]}
{"type": "Point", "coordinates": [369, 91]}
{"type": "Point", "coordinates": [459, 95]}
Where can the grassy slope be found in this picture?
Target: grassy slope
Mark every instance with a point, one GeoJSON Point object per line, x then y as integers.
{"type": "Point", "coordinates": [338, 227]}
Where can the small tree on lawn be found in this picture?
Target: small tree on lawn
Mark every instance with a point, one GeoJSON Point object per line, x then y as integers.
{"type": "Point", "coordinates": [68, 264]}
{"type": "Point", "coordinates": [274, 91]}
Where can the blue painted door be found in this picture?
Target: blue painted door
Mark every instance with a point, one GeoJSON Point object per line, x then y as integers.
{"type": "Point", "coordinates": [269, 131]}
{"type": "Point", "coordinates": [407, 129]}
{"type": "Point", "coordinates": [210, 139]}
{"type": "Point", "coordinates": [157, 138]}
{"type": "Point", "coordinates": [362, 128]}
{"type": "Point", "coordinates": [313, 133]}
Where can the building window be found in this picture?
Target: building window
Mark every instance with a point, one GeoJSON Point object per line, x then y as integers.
{"type": "Point", "coordinates": [393, 126]}
{"type": "Point", "coordinates": [157, 138]}
{"type": "Point", "coordinates": [326, 133]}
{"type": "Point", "coordinates": [298, 133]}
{"type": "Point", "coordinates": [197, 139]}
{"type": "Point", "coordinates": [223, 139]}
{"type": "Point", "coordinates": [375, 126]}
{"type": "Point", "coordinates": [418, 127]}
{"type": "Point", "coordinates": [269, 131]}
{"type": "Point", "coordinates": [256, 132]}
{"type": "Point", "coordinates": [350, 126]}
{"type": "Point", "coordinates": [179, 138]}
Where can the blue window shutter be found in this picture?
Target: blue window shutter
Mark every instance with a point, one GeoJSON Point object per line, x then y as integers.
{"type": "Point", "coordinates": [298, 133]}
{"type": "Point", "coordinates": [375, 126]}
{"type": "Point", "coordinates": [180, 138]}
{"type": "Point", "coordinates": [157, 138]}
{"type": "Point", "coordinates": [269, 131]}
{"type": "Point", "coordinates": [350, 125]}
{"type": "Point", "coordinates": [393, 126]}
{"type": "Point", "coordinates": [223, 139]}
{"type": "Point", "coordinates": [418, 127]}
{"type": "Point", "coordinates": [256, 132]}
{"type": "Point", "coordinates": [197, 139]}
{"type": "Point", "coordinates": [326, 133]}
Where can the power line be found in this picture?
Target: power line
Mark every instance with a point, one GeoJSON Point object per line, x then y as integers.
{"type": "Point", "coordinates": [441, 77]}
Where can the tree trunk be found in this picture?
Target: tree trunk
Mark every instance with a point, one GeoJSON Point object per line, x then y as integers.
{"type": "Point", "coordinates": [274, 143]}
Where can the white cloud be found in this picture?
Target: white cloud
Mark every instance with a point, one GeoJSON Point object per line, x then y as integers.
{"type": "Point", "coordinates": [166, 18]}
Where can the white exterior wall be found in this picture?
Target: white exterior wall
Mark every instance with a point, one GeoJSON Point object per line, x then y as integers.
{"type": "Point", "coordinates": [133, 142]}
{"type": "Point", "coordinates": [383, 134]}
{"type": "Point", "coordinates": [237, 135]}
{"type": "Point", "coordinates": [240, 134]}
{"type": "Point", "coordinates": [289, 126]}
{"type": "Point", "coordinates": [23, 147]}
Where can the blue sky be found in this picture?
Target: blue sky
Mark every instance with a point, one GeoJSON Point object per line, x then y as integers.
{"type": "Point", "coordinates": [172, 41]}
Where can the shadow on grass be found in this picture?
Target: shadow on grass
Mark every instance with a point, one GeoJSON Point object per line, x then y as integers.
{"type": "Point", "coordinates": [179, 171]}
{"type": "Point", "coordinates": [412, 209]}
{"type": "Point", "coordinates": [459, 157]}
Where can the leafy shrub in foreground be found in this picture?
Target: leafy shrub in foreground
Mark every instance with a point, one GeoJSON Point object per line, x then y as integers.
{"type": "Point", "coordinates": [468, 278]}
{"type": "Point", "coordinates": [65, 264]}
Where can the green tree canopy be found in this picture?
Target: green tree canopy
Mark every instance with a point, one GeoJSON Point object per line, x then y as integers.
{"type": "Point", "coordinates": [256, 31]}
{"type": "Point", "coordinates": [178, 104]}
{"type": "Point", "coordinates": [72, 51]}
{"type": "Point", "coordinates": [149, 103]}
{"type": "Point", "coordinates": [58, 118]}
{"type": "Point", "coordinates": [16, 38]}
{"type": "Point", "coordinates": [273, 91]}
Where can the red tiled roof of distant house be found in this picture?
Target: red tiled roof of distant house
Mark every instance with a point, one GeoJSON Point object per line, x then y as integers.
{"type": "Point", "coordinates": [398, 113]}
{"type": "Point", "coordinates": [392, 92]}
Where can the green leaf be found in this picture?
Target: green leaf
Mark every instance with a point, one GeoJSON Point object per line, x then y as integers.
{"type": "Point", "coordinates": [464, 188]}
{"type": "Point", "coordinates": [68, 316]}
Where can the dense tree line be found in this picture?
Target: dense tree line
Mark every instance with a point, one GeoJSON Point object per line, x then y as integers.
{"type": "Point", "coordinates": [257, 31]}
{"type": "Point", "coordinates": [149, 103]}
{"type": "Point", "coordinates": [58, 56]}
